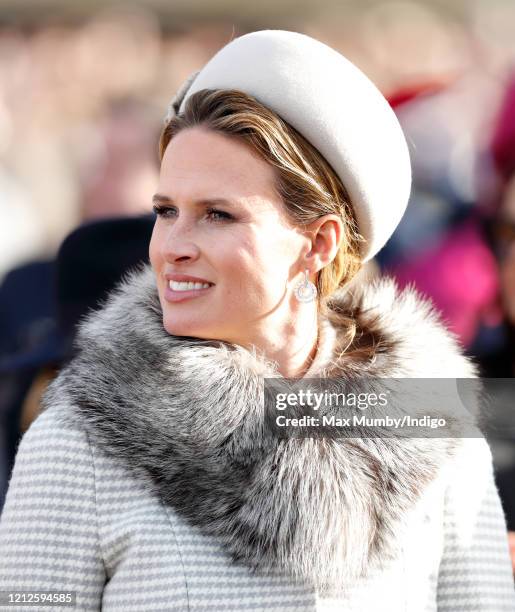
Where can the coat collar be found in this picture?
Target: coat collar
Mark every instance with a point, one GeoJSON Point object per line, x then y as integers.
{"type": "Point", "coordinates": [183, 413]}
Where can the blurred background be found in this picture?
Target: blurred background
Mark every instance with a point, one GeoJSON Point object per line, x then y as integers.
{"type": "Point", "coordinates": [84, 87]}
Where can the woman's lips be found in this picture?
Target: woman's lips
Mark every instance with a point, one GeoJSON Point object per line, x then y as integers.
{"type": "Point", "coordinates": [179, 296]}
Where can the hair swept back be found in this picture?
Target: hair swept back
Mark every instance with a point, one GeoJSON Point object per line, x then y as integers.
{"type": "Point", "coordinates": [308, 185]}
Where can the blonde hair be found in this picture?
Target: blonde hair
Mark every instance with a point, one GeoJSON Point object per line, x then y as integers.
{"type": "Point", "coordinates": [306, 182]}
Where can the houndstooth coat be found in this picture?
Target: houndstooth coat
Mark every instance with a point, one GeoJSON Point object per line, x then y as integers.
{"type": "Point", "coordinates": [147, 482]}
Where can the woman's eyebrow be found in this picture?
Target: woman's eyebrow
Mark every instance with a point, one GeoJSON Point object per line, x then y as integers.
{"type": "Point", "coordinates": [162, 199]}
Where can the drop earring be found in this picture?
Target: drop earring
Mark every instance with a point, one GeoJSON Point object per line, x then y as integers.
{"type": "Point", "coordinates": [305, 291]}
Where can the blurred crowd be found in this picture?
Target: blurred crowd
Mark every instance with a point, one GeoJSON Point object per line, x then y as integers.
{"type": "Point", "coordinates": [81, 107]}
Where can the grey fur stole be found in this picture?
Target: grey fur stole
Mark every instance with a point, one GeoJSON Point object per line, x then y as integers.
{"type": "Point", "coordinates": [185, 414]}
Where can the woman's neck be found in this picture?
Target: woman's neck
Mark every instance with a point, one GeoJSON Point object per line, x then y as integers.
{"type": "Point", "coordinates": [291, 343]}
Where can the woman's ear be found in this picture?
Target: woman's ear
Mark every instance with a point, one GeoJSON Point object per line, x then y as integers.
{"type": "Point", "coordinates": [326, 234]}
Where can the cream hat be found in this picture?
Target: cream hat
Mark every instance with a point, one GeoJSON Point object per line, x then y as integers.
{"type": "Point", "coordinates": [334, 106]}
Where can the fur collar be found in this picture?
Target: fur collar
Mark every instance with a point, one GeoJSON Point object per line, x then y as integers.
{"type": "Point", "coordinates": [183, 414]}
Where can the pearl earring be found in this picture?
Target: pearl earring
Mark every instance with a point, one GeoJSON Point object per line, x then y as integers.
{"type": "Point", "coordinates": [305, 291]}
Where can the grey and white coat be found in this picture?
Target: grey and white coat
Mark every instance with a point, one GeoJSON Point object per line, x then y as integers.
{"type": "Point", "coordinates": [148, 481]}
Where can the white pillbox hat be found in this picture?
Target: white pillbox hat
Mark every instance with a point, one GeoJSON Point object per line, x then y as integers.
{"type": "Point", "coordinates": [334, 105]}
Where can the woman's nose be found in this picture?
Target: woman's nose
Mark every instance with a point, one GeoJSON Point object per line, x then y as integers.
{"type": "Point", "coordinates": [180, 244]}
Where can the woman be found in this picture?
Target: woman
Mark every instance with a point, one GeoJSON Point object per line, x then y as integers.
{"type": "Point", "coordinates": [149, 481]}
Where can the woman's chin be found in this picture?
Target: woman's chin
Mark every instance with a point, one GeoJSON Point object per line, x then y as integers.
{"type": "Point", "coordinates": [196, 329]}
{"type": "Point", "coordinates": [179, 328]}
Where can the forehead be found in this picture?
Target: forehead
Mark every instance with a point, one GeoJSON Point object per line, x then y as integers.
{"type": "Point", "coordinates": [197, 160]}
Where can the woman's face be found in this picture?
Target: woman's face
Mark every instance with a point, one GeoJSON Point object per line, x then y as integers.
{"type": "Point", "coordinates": [244, 245]}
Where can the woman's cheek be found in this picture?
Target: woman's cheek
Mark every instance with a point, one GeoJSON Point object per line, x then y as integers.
{"type": "Point", "coordinates": [154, 253]}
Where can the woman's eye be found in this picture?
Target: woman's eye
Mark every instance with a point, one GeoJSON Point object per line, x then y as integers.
{"type": "Point", "coordinates": [169, 211]}
{"type": "Point", "coordinates": [220, 215]}
{"type": "Point", "coordinates": [161, 211]}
